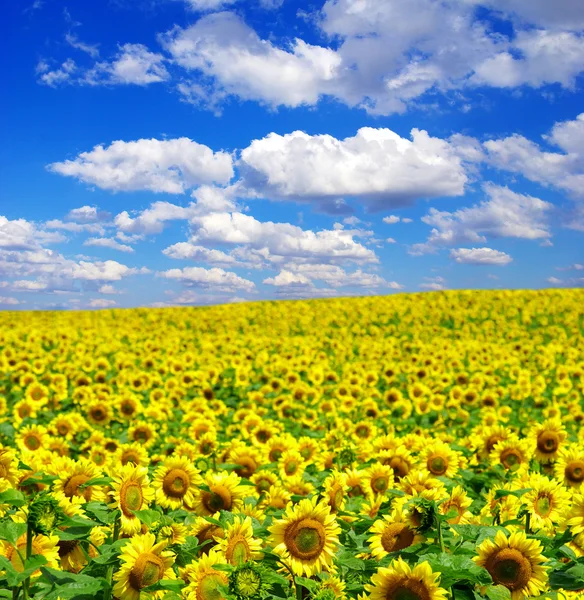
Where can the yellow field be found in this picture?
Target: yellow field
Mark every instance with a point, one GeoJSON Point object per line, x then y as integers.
{"type": "Point", "coordinates": [410, 447]}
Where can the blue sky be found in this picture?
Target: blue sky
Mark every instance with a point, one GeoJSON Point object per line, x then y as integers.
{"type": "Point", "coordinates": [179, 152]}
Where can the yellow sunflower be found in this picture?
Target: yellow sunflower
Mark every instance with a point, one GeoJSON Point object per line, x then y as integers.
{"type": "Point", "coordinates": [306, 537]}
{"type": "Point", "coordinates": [458, 502]}
{"type": "Point", "coordinates": [72, 477]}
{"type": "Point", "coordinates": [131, 491]}
{"type": "Point", "coordinates": [547, 439]}
{"type": "Point", "coordinates": [515, 562]}
{"type": "Point", "coordinates": [569, 466]}
{"type": "Point", "coordinates": [238, 543]}
{"type": "Point", "coordinates": [224, 493]}
{"type": "Point", "coordinates": [335, 489]}
{"type": "Point", "coordinates": [399, 581]}
{"type": "Point", "coordinates": [391, 534]}
{"type": "Point", "coordinates": [175, 483]}
{"type": "Point", "coordinates": [512, 453]}
{"type": "Point", "coordinates": [143, 563]}
{"type": "Point", "coordinates": [547, 501]}
{"type": "Point", "coordinates": [43, 545]}
{"type": "Point", "coordinates": [378, 479]}
{"type": "Point", "coordinates": [439, 459]}
{"type": "Point", "coordinates": [203, 578]}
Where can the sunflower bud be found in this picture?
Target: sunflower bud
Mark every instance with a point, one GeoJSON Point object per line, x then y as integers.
{"type": "Point", "coordinates": [44, 514]}
{"type": "Point", "coordinates": [246, 581]}
{"type": "Point", "coordinates": [424, 513]}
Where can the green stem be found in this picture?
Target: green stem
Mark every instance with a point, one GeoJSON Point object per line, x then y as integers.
{"type": "Point", "coordinates": [26, 582]}
{"type": "Point", "coordinates": [528, 523]}
{"type": "Point", "coordinates": [110, 570]}
{"type": "Point", "coordinates": [297, 588]}
{"type": "Point", "coordinates": [440, 538]}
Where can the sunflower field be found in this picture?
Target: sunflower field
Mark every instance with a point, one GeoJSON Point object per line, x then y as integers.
{"type": "Point", "coordinates": [409, 447]}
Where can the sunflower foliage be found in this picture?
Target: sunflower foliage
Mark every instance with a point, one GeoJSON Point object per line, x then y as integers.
{"type": "Point", "coordinates": [411, 447]}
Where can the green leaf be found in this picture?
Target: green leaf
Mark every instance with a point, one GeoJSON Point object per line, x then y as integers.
{"type": "Point", "coordinates": [101, 512]}
{"type": "Point", "coordinates": [497, 592]}
{"type": "Point", "coordinates": [70, 585]}
{"type": "Point", "coordinates": [30, 566]}
{"type": "Point", "coordinates": [96, 481]}
{"type": "Point", "coordinates": [147, 516]}
{"type": "Point", "coordinates": [13, 498]}
{"type": "Point", "coordinates": [11, 531]}
{"type": "Point", "coordinates": [516, 493]}
{"type": "Point", "coordinates": [570, 579]}
{"type": "Point", "coordinates": [309, 584]}
{"type": "Point", "coordinates": [456, 569]}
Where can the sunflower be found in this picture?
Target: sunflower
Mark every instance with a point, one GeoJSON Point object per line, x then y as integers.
{"type": "Point", "coordinates": [206, 533]}
{"type": "Point", "coordinates": [439, 459]}
{"type": "Point", "coordinates": [32, 438]}
{"type": "Point", "coordinates": [399, 581]}
{"type": "Point", "coordinates": [291, 463]}
{"type": "Point", "coordinates": [391, 534]}
{"type": "Point", "coordinates": [42, 545]}
{"type": "Point", "coordinates": [399, 458]}
{"type": "Point", "coordinates": [512, 453]}
{"type": "Point", "coordinates": [131, 491]}
{"type": "Point", "coordinates": [515, 562]}
{"type": "Point", "coordinates": [248, 460]}
{"type": "Point", "coordinates": [132, 453]}
{"type": "Point", "coordinates": [547, 501]}
{"type": "Point", "coordinates": [378, 479]}
{"type": "Point", "coordinates": [569, 466]}
{"type": "Point", "coordinates": [458, 501]}
{"type": "Point", "coordinates": [238, 544]}
{"type": "Point", "coordinates": [203, 578]}
{"type": "Point", "coordinates": [306, 537]}
{"type": "Point", "coordinates": [72, 477]}
{"type": "Point", "coordinates": [263, 481]}
{"type": "Point", "coordinates": [547, 439]}
{"type": "Point", "coordinates": [175, 483]}
{"type": "Point", "coordinates": [224, 493]}
{"type": "Point", "coordinates": [9, 475]}
{"type": "Point", "coordinates": [335, 488]}
{"type": "Point", "coordinates": [143, 563]}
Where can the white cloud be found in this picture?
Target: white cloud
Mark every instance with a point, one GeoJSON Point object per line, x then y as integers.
{"type": "Point", "coordinates": [108, 270]}
{"type": "Point", "coordinates": [278, 241]}
{"type": "Point", "coordinates": [74, 227]}
{"type": "Point", "coordinates": [192, 297]}
{"type": "Point", "coordinates": [108, 243]}
{"type": "Point", "coordinates": [215, 278]}
{"type": "Point", "coordinates": [288, 279]}
{"type": "Point", "coordinates": [390, 241]}
{"type": "Point", "coordinates": [102, 303]}
{"type": "Point", "coordinates": [208, 5]}
{"type": "Point", "coordinates": [554, 281]}
{"type": "Point", "coordinates": [376, 165]}
{"type": "Point", "coordinates": [21, 234]}
{"type": "Point", "coordinates": [170, 166]}
{"type": "Point", "coordinates": [108, 289]}
{"type": "Point", "coordinates": [544, 57]}
{"type": "Point", "coordinates": [55, 77]}
{"type": "Point", "coordinates": [133, 64]}
{"type": "Point", "coordinates": [27, 285]}
{"type": "Point", "coordinates": [391, 219]}
{"type": "Point", "coordinates": [75, 42]}
{"type": "Point", "coordinates": [335, 276]}
{"type": "Point", "coordinates": [480, 256]}
{"type": "Point", "coordinates": [432, 286]}
{"type": "Point", "coordinates": [505, 214]}
{"type": "Point", "coordinates": [188, 251]}
{"type": "Point", "coordinates": [564, 170]}
{"type": "Point", "coordinates": [406, 220]}
{"type": "Point", "coordinates": [8, 301]}
{"type": "Point", "coordinates": [87, 214]}
{"type": "Point", "coordinates": [222, 47]}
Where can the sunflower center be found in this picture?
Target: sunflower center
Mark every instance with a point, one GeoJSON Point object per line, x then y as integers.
{"type": "Point", "coordinates": [237, 550]}
{"type": "Point", "coordinates": [396, 536]}
{"type": "Point", "coordinates": [548, 442]}
{"type": "Point", "coordinates": [217, 499]}
{"type": "Point", "coordinates": [511, 458]}
{"type": "Point", "coordinates": [147, 570]}
{"type": "Point", "coordinates": [574, 471]}
{"type": "Point", "coordinates": [176, 483]}
{"type": "Point", "coordinates": [436, 465]}
{"type": "Point", "coordinates": [407, 589]}
{"type": "Point", "coordinates": [379, 484]}
{"type": "Point", "coordinates": [131, 498]}
{"type": "Point", "coordinates": [247, 468]}
{"type": "Point", "coordinates": [208, 588]}
{"type": "Point", "coordinates": [32, 442]}
{"type": "Point", "coordinates": [305, 539]}
{"type": "Point", "coordinates": [400, 467]}
{"type": "Point", "coordinates": [71, 487]}
{"type": "Point", "coordinates": [66, 547]}
{"type": "Point", "coordinates": [543, 506]}
{"type": "Point", "coordinates": [209, 533]}
{"type": "Point", "coordinates": [509, 567]}
{"type": "Point", "coordinates": [492, 441]}
{"type": "Point", "coordinates": [291, 467]}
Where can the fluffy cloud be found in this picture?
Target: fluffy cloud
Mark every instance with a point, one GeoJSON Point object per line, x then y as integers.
{"type": "Point", "coordinates": [223, 48]}
{"type": "Point", "coordinates": [21, 234]}
{"type": "Point", "coordinates": [215, 279]}
{"type": "Point", "coordinates": [564, 170]}
{"type": "Point", "coordinates": [288, 279]}
{"type": "Point", "coordinates": [188, 251]}
{"type": "Point", "coordinates": [480, 256]}
{"type": "Point", "coordinates": [377, 165]}
{"type": "Point", "coordinates": [108, 243]}
{"type": "Point", "coordinates": [170, 166]}
{"type": "Point", "coordinates": [87, 214]}
{"type": "Point", "coordinates": [102, 303]}
{"type": "Point", "coordinates": [505, 214]}
{"type": "Point", "coordinates": [8, 301]}
{"type": "Point", "coordinates": [391, 219]}
{"type": "Point", "coordinates": [278, 241]}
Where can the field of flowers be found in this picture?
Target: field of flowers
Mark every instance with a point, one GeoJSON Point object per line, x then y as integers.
{"type": "Point", "coordinates": [411, 447]}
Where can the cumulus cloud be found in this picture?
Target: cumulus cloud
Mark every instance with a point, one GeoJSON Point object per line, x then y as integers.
{"type": "Point", "coordinates": [377, 165]}
{"type": "Point", "coordinates": [102, 303]}
{"type": "Point", "coordinates": [188, 251]}
{"type": "Point", "coordinates": [8, 301]}
{"type": "Point", "coordinates": [504, 214]}
{"type": "Point", "coordinates": [215, 279]}
{"type": "Point", "coordinates": [480, 256]}
{"type": "Point", "coordinates": [224, 49]}
{"type": "Point", "coordinates": [278, 241]}
{"type": "Point", "coordinates": [87, 214]}
{"type": "Point", "coordinates": [20, 234]}
{"type": "Point", "coordinates": [170, 166]}
{"type": "Point", "coordinates": [391, 219]}
{"type": "Point", "coordinates": [108, 243]}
